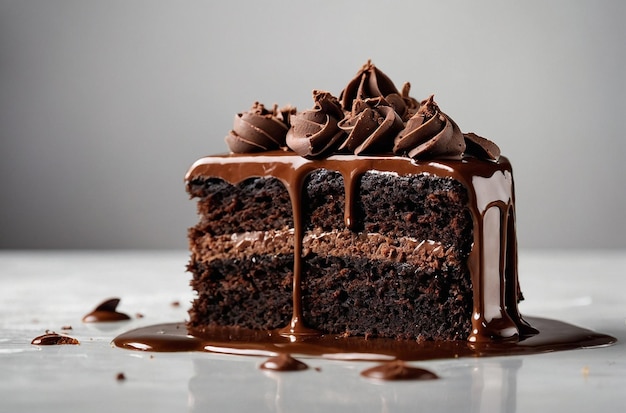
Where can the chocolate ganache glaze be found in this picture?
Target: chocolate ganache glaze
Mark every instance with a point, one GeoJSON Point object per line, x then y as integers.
{"type": "Point", "coordinates": [374, 127]}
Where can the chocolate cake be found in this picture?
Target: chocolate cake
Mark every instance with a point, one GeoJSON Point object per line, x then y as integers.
{"type": "Point", "coordinates": [370, 214]}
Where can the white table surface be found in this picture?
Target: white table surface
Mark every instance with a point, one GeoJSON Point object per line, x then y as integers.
{"type": "Point", "coordinates": [42, 291]}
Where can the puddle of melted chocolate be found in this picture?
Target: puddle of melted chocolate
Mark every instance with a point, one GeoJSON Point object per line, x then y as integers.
{"type": "Point", "coordinates": [554, 336]}
{"type": "Point", "coordinates": [106, 312]}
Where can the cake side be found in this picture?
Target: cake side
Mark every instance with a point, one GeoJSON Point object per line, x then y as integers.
{"type": "Point", "coordinates": [339, 281]}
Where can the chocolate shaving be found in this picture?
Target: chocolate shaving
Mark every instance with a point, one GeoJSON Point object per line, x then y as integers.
{"type": "Point", "coordinates": [108, 305]}
{"type": "Point", "coordinates": [480, 147]}
{"type": "Point", "coordinates": [54, 339]}
{"type": "Point", "coordinates": [106, 312]}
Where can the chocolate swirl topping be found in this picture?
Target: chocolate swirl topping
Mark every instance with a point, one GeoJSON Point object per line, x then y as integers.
{"type": "Point", "coordinates": [369, 82]}
{"type": "Point", "coordinates": [429, 134]}
{"type": "Point", "coordinates": [370, 117]}
{"type": "Point", "coordinates": [371, 127]}
{"type": "Point", "coordinates": [315, 132]}
{"type": "Point", "coordinates": [403, 104]}
{"type": "Point", "coordinates": [259, 129]}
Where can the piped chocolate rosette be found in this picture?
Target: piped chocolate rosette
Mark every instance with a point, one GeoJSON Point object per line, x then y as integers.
{"type": "Point", "coordinates": [371, 116]}
{"type": "Point", "coordinates": [259, 129]}
{"type": "Point", "coordinates": [370, 127]}
{"type": "Point", "coordinates": [315, 133]}
{"type": "Point", "coordinates": [430, 133]}
{"type": "Point", "coordinates": [370, 83]}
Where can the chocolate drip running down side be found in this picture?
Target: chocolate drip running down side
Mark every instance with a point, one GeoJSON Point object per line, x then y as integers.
{"type": "Point", "coordinates": [493, 267]}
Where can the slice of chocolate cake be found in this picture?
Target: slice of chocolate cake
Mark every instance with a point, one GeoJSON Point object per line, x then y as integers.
{"type": "Point", "coordinates": [368, 215]}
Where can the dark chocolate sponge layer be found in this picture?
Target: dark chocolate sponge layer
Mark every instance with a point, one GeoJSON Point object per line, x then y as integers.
{"type": "Point", "coordinates": [252, 293]}
{"type": "Point", "coordinates": [387, 299]}
{"type": "Point", "coordinates": [252, 205]}
{"type": "Point", "coordinates": [419, 206]}
{"type": "Point", "coordinates": [341, 295]}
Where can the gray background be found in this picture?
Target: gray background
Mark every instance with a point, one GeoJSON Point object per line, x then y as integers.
{"type": "Point", "coordinates": [104, 105]}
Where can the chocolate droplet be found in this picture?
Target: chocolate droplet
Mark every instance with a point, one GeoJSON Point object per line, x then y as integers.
{"type": "Point", "coordinates": [398, 370]}
{"type": "Point", "coordinates": [283, 362]}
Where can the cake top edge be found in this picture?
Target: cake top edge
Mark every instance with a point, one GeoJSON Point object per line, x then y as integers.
{"type": "Point", "coordinates": [369, 116]}
{"type": "Point", "coordinates": [276, 162]}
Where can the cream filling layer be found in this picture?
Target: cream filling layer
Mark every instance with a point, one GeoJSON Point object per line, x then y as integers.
{"type": "Point", "coordinates": [373, 246]}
